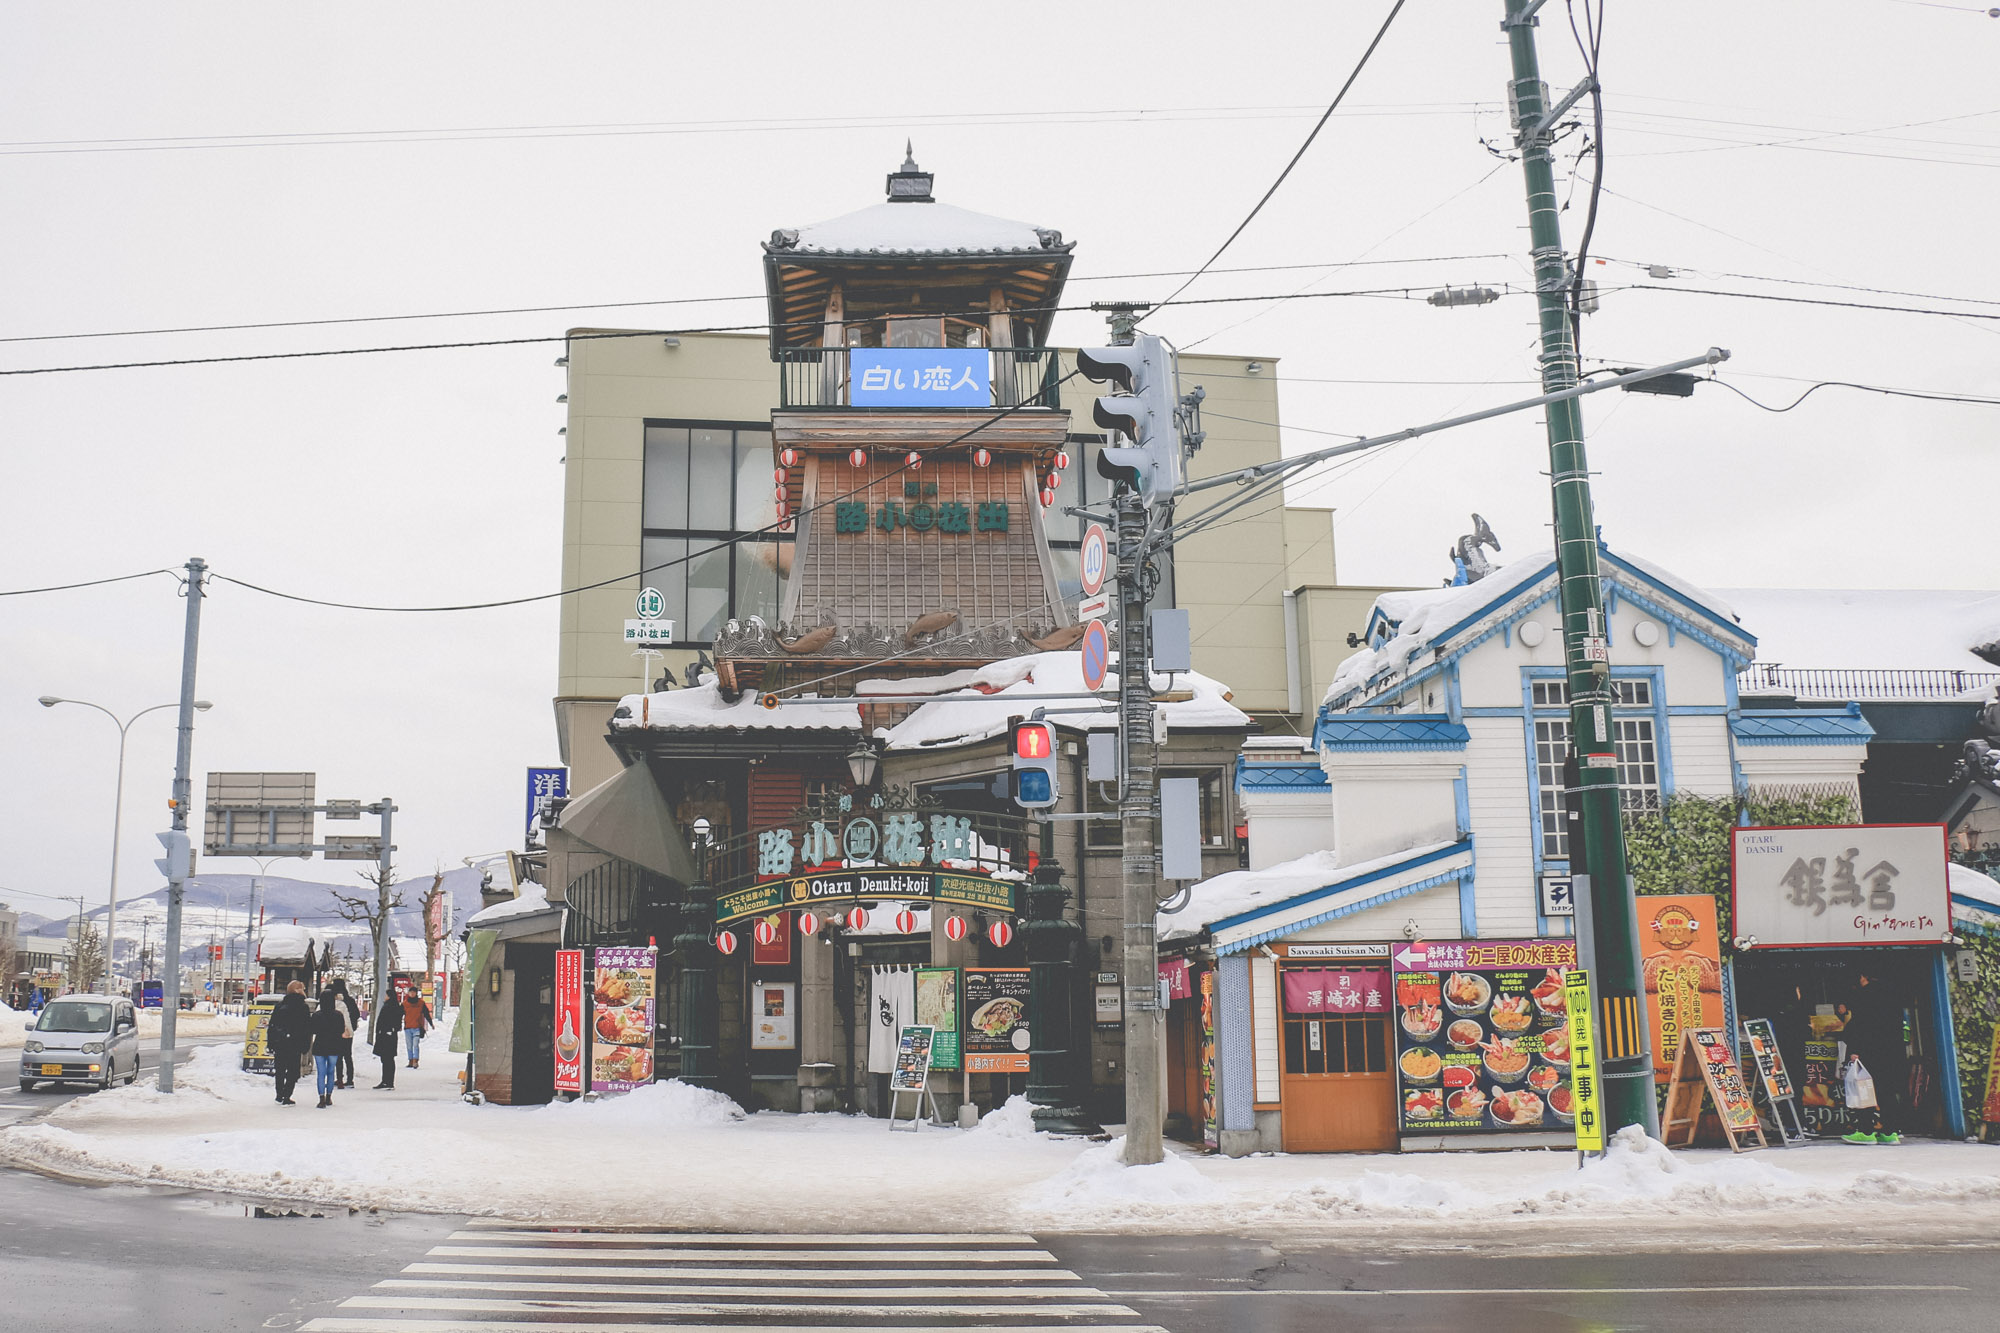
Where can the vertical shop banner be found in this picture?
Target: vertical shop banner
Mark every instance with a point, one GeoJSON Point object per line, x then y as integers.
{"type": "Point", "coordinates": [1209, 1136]}
{"type": "Point", "coordinates": [569, 1020]}
{"type": "Point", "coordinates": [621, 1030]}
{"type": "Point", "coordinates": [774, 1016]}
{"type": "Point", "coordinates": [1990, 1111]}
{"type": "Point", "coordinates": [1680, 962]}
{"type": "Point", "coordinates": [1583, 1062]}
{"type": "Point", "coordinates": [937, 1009]}
{"type": "Point", "coordinates": [996, 1020]}
{"type": "Point", "coordinates": [778, 953]}
{"type": "Point", "coordinates": [1482, 1036]}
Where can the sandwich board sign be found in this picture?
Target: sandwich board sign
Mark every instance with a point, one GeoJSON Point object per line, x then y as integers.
{"type": "Point", "coordinates": [912, 1073]}
{"type": "Point", "coordinates": [1705, 1063]}
{"type": "Point", "coordinates": [1762, 1043]}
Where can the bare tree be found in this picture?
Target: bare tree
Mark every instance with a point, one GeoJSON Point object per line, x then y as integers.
{"type": "Point", "coordinates": [371, 909]}
{"type": "Point", "coordinates": [433, 934]}
{"type": "Point", "coordinates": [86, 959]}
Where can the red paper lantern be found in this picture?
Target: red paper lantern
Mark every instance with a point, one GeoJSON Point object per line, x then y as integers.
{"type": "Point", "coordinates": [857, 918]}
{"type": "Point", "coordinates": [808, 924]}
{"type": "Point", "coordinates": [1048, 497]}
{"type": "Point", "coordinates": [954, 928]}
{"type": "Point", "coordinates": [858, 458]}
{"type": "Point", "coordinates": [789, 457]}
{"type": "Point", "coordinates": [1000, 933]}
{"type": "Point", "coordinates": [786, 525]}
{"type": "Point", "coordinates": [780, 475]}
{"type": "Point", "coordinates": [981, 457]}
{"type": "Point", "coordinates": [906, 922]}
{"type": "Point", "coordinates": [913, 460]}
{"type": "Point", "coordinates": [1052, 480]}
{"type": "Point", "coordinates": [767, 933]}
{"type": "Point", "coordinates": [725, 942]}
{"type": "Point", "coordinates": [1061, 460]}
{"type": "Point", "coordinates": [784, 510]}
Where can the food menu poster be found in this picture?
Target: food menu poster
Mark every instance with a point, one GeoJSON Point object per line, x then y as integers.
{"type": "Point", "coordinates": [621, 1027]}
{"type": "Point", "coordinates": [1681, 965]}
{"type": "Point", "coordinates": [913, 1060]}
{"type": "Point", "coordinates": [1482, 1036]}
{"type": "Point", "coordinates": [569, 1029]}
{"type": "Point", "coordinates": [773, 1015]}
{"type": "Point", "coordinates": [1724, 1079]}
{"type": "Point", "coordinates": [1823, 1101]}
{"type": "Point", "coordinates": [1770, 1061]}
{"type": "Point", "coordinates": [937, 1009]}
{"type": "Point", "coordinates": [996, 1020]}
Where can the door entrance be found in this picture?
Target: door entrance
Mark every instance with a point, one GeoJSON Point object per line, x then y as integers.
{"type": "Point", "coordinates": [1338, 1090]}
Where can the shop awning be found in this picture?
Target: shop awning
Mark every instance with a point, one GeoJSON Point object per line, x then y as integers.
{"type": "Point", "coordinates": [627, 817]}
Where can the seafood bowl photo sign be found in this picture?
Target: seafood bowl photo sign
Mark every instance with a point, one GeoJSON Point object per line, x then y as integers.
{"type": "Point", "coordinates": [1481, 1040]}
{"type": "Point", "coordinates": [621, 1026]}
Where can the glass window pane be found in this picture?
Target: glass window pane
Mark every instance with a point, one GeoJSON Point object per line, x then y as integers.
{"type": "Point", "coordinates": [759, 590]}
{"type": "Point", "coordinates": [756, 484]}
{"type": "Point", "coordinates": [1378, 1046]}
{"type": "Point", "coordinates": [666, 477]}
{"type": "Point", "coordinates": [1069, 578]}
{"type": "Point", "coordinates": [1336, 1047]}
{"type": "Point", "coordinates": [708, 589]}
{"type": "Point", "coordinates": [661, 557]}
{"type": "Point", "coordinates": [1295, 1048]}
{"type": "Point", "coordinates": [711, 468]}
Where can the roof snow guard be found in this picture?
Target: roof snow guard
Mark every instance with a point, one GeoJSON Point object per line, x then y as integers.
{"type": "Point", "coordinates": [1803, 726]}
{"type": "Point", "coordinates": [1350, 734]}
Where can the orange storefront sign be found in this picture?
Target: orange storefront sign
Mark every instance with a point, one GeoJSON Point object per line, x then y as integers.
{"type": "Point", "coordinates": [1681, 961]}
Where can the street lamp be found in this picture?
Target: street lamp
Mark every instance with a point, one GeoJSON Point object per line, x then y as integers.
{"type": "Point", "coordinates": [862, 761]}
{"type": "Point", "coordinates": [117, 814]}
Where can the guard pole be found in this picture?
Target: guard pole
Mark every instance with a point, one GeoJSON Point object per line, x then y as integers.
{"type": "Point", "coordinates": [1626, 1068]}
{"type": "Point", "coordinates": [183, 796]}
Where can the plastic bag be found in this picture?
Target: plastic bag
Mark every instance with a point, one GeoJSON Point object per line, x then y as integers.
{"type": "Point", "coordinates": [1860, 1086]}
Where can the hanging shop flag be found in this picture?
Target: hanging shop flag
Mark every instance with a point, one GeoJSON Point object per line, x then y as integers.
{"type": "Point", "coordinates": [621, 1030]}
{"type": "Point", "coordinates": [1178, 979]}
{"type": "Point", "coordinates": [1327, 990]}
{"type": "Point", "coordinates": [1209, 1136]}
{"type": "Point", "coordinates": [1990, 1111]}
{"type": "Point", "coordinates": [569, 1022]}
{"type": "Point", "coordinates": [1680, 961]}
{"type": "Point", "coordinates": [996, 1023]}
{"type": "Point", "coordinates": [771, 941]}
{"type": "Point", "coordinates": [1482, 1036]}
{"type": "Point", "coordinates": [937, 1009]}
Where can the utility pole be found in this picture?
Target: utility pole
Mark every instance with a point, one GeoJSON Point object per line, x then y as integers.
{"type": "Point", "coordinates": [384, 808]}
{"type": "Point", "coordinates": [1145, 1034]}
{"type": "Point", "coordinates": [1626, 1062]}
{"type": "Point", "coordinates": [183, 797]}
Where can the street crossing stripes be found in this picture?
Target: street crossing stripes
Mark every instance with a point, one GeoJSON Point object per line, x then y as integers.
{"type": "Point", "coordinates": [505, 1277]}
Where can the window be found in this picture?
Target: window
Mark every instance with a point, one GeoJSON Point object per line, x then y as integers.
{"type": "Point", "coordinates": [1315, 1045]}
{"type": "Point", "coordinates": [1636, 740]}
{"type": "Point", "coordinates": [1083, 488]}
{"type": "Point", "coordinates": [1107, 834]}
{"type": "Point", "coordinates": [704, 485]}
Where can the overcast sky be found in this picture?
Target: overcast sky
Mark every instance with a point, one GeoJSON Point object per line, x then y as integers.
{"type": "Point", "coordinates": [175, 166]}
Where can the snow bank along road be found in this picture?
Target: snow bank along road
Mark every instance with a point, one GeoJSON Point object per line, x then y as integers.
{"type": "Point", "coordinates": [673, 1157]}
{"type": "Point", "coordinates": [17, 1105]}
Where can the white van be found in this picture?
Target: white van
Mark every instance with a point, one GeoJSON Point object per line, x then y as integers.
{"type": "Point", "coordinates": [82, 1039]}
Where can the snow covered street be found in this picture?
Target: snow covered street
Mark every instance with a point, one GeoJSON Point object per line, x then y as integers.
{"type": "Point", "coordinates": [672, 1156]}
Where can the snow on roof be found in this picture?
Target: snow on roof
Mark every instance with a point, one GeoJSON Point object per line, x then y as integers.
{"type": "Point", "coordinates": [408, 953]}
{"type": "Point", "coordinates": [1866, 627]}
{"type": "Point", "coordinates": [285, 942]}
{"type": "Point", "coordinates": [1965, 882]}
{"type": "Point", "coordinates": [1021, 680]}
{"type": "Point", "coordinates": [532, 898]}
{"type": "Point", "coordinates": [1423, 615]}
{"type": "Point", "coordinates": [701, 707]}
{"type": "Point", "coordinates": [1241, 891]}
{"type": "Point", "coordinates": [910, 228]}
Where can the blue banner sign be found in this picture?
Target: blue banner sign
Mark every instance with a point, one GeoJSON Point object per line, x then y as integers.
{"type": "Point", "coordinates": [919, 377]}
{"type": "Point", "coordinates": [544, 784]}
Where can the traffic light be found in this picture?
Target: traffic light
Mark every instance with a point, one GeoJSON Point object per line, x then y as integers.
{"type": "Point", "coordinates": [1143, 411]}
{"type": "Point", "coordinates": [1034, 784]}
{"type": "Point", "coordinates": [178, 863]}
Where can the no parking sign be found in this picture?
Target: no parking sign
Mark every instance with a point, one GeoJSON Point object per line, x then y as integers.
{"type": "Point", "coordinates": [1096, 649]}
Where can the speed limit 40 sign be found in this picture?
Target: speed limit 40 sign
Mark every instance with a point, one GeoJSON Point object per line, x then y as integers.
{"type": "Point", "coordinates": [1093, 559]}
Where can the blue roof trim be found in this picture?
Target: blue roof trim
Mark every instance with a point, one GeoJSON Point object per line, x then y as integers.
{"type": "Point", "coordinates": [1461, 875]}
{"type": "Point", "coordinates": [1802, 726]}
{"type": "Point", "coordinates": [1459, 848]}
{"type": "Point", "coordinates": [1270, 775]}
{"type": "Point", "coordinates": [1389, 731]}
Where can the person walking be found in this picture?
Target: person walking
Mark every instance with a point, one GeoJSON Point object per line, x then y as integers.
{"type": "Point", "coordinates": [416, 1022]}
{"type": "Point", "coordinates": [329, 1032]}
{"type": "Point", "coordinates": [343, 1074]}
{"type": "Point", "coordinates": [388, 1022]}
{"type": "Point", "coordinates": [289, 1036]}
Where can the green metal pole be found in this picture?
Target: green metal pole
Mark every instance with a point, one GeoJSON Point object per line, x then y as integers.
{"type": "Point", "coordinates": [694, 947]}
{"type": "Point", "coordinates": [1626, 1067]}
{"type": "Point", "coordinates": [1051, 940]}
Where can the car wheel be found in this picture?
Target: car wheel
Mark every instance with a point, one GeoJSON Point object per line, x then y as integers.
{"type": "Point", "coordinates": [27, 1085]}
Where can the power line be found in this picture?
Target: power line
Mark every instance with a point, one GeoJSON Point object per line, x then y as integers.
{"type": "Point", "coordinates": [1802, 282]}
{"type": "Point", "coordinates": [1866, 388]}
{"type": "Point", "coordinates": [1380, 33]}
{"type": "Point", "coordinates": [89, 583]}
{"type": "Point", "coordinates": [1808, 300]}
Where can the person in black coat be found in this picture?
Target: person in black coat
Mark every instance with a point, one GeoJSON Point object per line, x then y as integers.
{"type": "Point", "coordinates": [289, 1037]}
{"type": "Point", "coordinates": [388, 1024]}
{"type": "Point", "coordinates": [330, 1033]}
{"type": "Point", "coordinates": [343, 1073]}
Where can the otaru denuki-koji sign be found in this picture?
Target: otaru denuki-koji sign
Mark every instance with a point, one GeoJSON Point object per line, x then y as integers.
{"type": "Point", "coordinates": [1840, 885]}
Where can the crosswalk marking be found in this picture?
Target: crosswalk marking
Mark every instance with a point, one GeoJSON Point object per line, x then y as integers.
{"type": "Point", "coordinates": [513, 1277]}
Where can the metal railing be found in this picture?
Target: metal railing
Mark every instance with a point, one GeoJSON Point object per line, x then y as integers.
{"type": "Point", "coordinates": [818, 377]}
{"type": "Point", "coordinates": [1862, 684]}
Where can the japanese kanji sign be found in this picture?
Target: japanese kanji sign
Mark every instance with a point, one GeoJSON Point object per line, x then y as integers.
{"type": "Point", "coordinates": [919, 377]}
{"type": "Point", "coordinates": [1841, 885]}
{"type": "Point", "coordinates": [1583, 1062]}
{"type": "Point", "coordinates": [1325, 990]}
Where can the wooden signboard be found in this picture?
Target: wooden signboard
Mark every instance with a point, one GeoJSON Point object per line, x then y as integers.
{"type": "Point", "coordinates": [1705, 1061]}
{"type": "Point", "coordinates": [1762, 1043]}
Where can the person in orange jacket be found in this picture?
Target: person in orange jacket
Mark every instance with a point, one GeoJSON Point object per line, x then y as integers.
{"type": "Point", "coordinates": [416, 1021]}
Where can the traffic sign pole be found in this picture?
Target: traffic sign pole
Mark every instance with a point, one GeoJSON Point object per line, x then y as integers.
{"type": "Point", "coordinates": [197, 569]}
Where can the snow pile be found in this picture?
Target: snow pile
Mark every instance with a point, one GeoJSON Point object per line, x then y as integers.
{"type": "Point", "coordinates": [213, 1075]}
{"type": "Point", "coordinates": [910, 227]}
{"type": "Point", "coordinates": [655, 1108]}
{"type": "Point", "coordinates": [1239, 891]}
{"type": "Point", "coordinates": [1870, 627]}
{"type": "Point", "coordinates": [700, 707]}
{"type": "Point", "coordinates": [14, 1024]}
{"type": "Point", "coordinates": [1010, 688]}
{"type": "Point", "coordinates": [532, 898]}
{"type": "Point", "coordinates": [1014, 1120]}
{"type": "Point", "coordinates": [190, 1023]}
{"type": "Point", "coordinates": [1098, 1189]}
{"type": "Point", "coordinates": [284, 942]}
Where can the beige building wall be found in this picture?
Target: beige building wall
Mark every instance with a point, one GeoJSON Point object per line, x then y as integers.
{"type": "Point", "coordinates": [1231, 579]}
